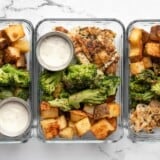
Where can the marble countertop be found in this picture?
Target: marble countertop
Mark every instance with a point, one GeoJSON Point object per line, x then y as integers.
{"type": "Point", "coordinates": [124, 10]}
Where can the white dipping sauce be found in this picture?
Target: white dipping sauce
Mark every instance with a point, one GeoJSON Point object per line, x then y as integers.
{"type": "Point", "coordinates": [55, 51]}
{"type": "Point", "coordinates": [14, 119]}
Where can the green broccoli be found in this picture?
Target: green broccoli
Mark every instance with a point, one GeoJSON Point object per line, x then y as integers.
{"type": "Point", "coordinates": [78, 77]}
{"type": "Point", "coordinates": [156, 88]}
{"type": "Point", "coordinates": [5, 78]}
{"type": "Point", "coordinates": [20, 77]}
{"type": "Point", "coordinates": [5, 92]}
{"type": "Point", "coordinates": [49, 81]}
{"type": "Point", "coordinates": [46, 97]}
{"type": "Point", "coordinates": [21, 93]}
{"type": "Point", "coordinates": [62, 103]}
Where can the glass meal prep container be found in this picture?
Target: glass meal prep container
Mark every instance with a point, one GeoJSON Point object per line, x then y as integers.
{"type": "Point", "coordinates": [28, 29]}
{"type": "Point", "coordinates": [46, 26]}
{"type": "Point", "coordinates": [144, 126]}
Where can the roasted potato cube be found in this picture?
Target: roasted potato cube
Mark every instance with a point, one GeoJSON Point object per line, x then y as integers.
{"type": "Point", "coordinates": [113, 109]}
{"type": "Point", "coordinates": [83, 126]}
{"type": "Point", "coordinates": [152, 49]}
{"type": "Point", "coordinates": [67, 133]}
{"type": "Point", "coordinates": [155, 33]}
{"type": "Point", "coordinates": [145, 36]}
{"type": "Point", "coordinates": [77, 115]}
{"type": "Point", "coordinates": [22, 45]}
{"type": "Point", "coordinates": [137, 67]}
{"type": "Point", "coordinates": [147, 62]}
{"type": "Point", "coordinates": [1, 57]}
{"type": "Point", "coordinates": [135, 53]}
{"type": "Point", "coordinates": [3, 43]}
{"type": "Point", "coordinates": [101, 129]}
{"type": "Point", "coordinates": [50, 128]}
{"type": "Point", "coordinates": [89, 109]}
{"type": "Point", "coordinates": [135, 37]}
{"type": "Point", "coordinates": [100, 111]}
{"type": "Point", "coordinates": [47, 111]}
{"type": "Point", "coordinates": [72, 125]}
{"type": "Point", "coordinates": [62, 122]}
{"type": "Point", "coordinates": [14, 32]}
{"type": "Point", "coordinates": [113, 122]}
{"type": "Point", "coordinates": [12, 54]}
{"type": "Point", "coordinates": [21, 62]}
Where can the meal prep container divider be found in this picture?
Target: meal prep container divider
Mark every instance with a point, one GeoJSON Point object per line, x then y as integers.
{"type": "Point", "coordinates": [47, 25]}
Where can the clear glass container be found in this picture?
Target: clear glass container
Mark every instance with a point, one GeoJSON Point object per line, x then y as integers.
{"type": "Point", "coordinates": [28, 28]}
{"type": "Point", "coordinates": [140, 136]}
{"type": "Point", "coordinates": [46, 26]}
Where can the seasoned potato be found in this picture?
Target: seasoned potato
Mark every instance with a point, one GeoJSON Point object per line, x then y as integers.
{"type": "Point", "coordinates": [62, 122]}
{"type": "Point", "coordinates": [76, 115]}
{"type": "Point", "coordinates": [83, 126]}
{"type": "Point", "coordinates": [145, 36]}
{"type": "Point", "coordinates": [67, 133]}
{"type": "Point", "coordinates": [50, 128]}
{"type": "Point", "coordinates": [137, 67]}
{"type": "Point", "coordinates": [14, 32]}
{"type": "Point", "coordinates": [21, 62]}
{"type": "Point", "coordinates": [22, 45]}
{"type": "Point", "coordinates": [12, 54]}
{"type": "Point", "coordinates": [113, 122]}
{"type": "Point", "coordinates": [147, 62]}
{"type": "Point", "coordinates": [113, 109]}
{"type": "Point", "coordinates": [72, 125]}
{"type": "Point", "coordinates": [47, 111]}
{"type": "Point", "coordinates": [152, 49]}
{"type": "Point", "coordinates": [135, 37]}
{"type": "Point", "coordinates": [101, 129]}
{"type": "Point", "coordinates": [155, 33]}
{"type": "Point", "coordinates": [89, 109]}
{"type": "Point", "coordinates": [135, 53]}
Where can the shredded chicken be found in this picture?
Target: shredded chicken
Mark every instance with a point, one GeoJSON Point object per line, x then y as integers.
{"type": "Point", "coordinates": [145, 118]}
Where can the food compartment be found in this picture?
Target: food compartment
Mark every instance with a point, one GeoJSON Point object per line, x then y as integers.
{"type": "Point", "coordinates": [16, 66]}
{"type": "Point", "coordinates": [143, 80]}
{"type": "Point", "coordinates": [83, 102]}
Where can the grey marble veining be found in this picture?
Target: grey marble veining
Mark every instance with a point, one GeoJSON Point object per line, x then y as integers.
{"type": "Point", "coordinates": [35, 10]}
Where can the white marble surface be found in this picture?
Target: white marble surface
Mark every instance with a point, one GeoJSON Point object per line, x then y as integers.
{"type": "Point", "coordinates": [126, 11]}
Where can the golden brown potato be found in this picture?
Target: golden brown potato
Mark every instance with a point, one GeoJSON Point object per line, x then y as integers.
{"type": "Point", "coordinates": [1, 57]}
{"type": "Point", "coordinates": [72, 125]}
{"type": "Point", "coordinates": [76, 115]}
{"type": "Point", "coordinates": [137, 67]}
{"type": "Point", "coordinates": [22, 45]}
{"type": "Point", "coordinates": [152, 49]}
{"type": "Point", "coordinates": [145, 36]}
{"type": "Point", "coordinates": [12, 54]}
{"type": "Point", "coordinates": [14, 32]}
{"type": "Point", "coordinates": [66, 133]}
{"type": "Point", "coordinates": [147, 62]}
{"type": "Point", "coordinates": [83, 126]}
{"type": "Point", "coordinates": [113, 122]}
{"type": "Point", "coordinates": [135, 37]}
{"type": "Point", "coordinates": [21, 62]}
{"type": "Point", "coordinates": [155, 33]}
{"type": "Point", "coordinates": [50, 128]}
{"type": "Point", "coordinates": [113, 109]}
{"type": "Point", "coordinates": [135, 53]}
{"type": "Point", "coordinates": [101, 129]}
{"type": "Point", "coordinates": [47, 111]}
{"type": "Point", "coordinates": [62, 122]}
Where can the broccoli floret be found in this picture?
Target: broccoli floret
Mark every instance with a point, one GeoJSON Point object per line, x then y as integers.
{"type": "Point", "coordinates": [5, 92]}
{"type": "Point", "coordinates": [93, 96]}
{"type": "Point", "coordinates": [5, 78]}
{"type": "Point", "coordinates": [46, 97]}
{"type": "Point", "coordinates": [49, 81]}
{"type": "Point", "coordinates": [62, 103]}
{"type": "Point", "coordinates": [21, 93]}
{"type": "Point", "coordinates": [142, 97]}
{"type": "Point", "coordinates": [147, 76]}
{"type": "Point", "coordinates": [21, 78]}
{"type": "Point", "coordinates": [156, 88]}
{"type": "Point", "coordinates": [79, 77]}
